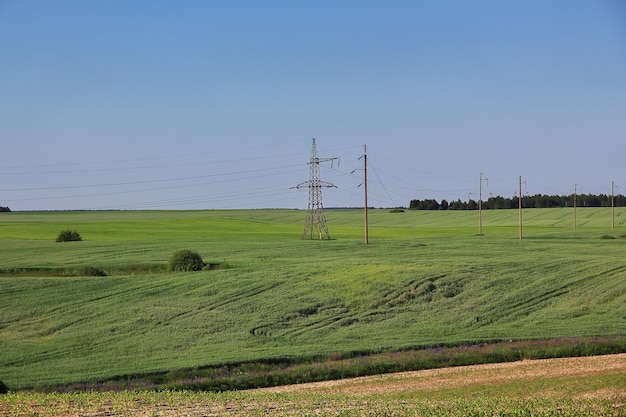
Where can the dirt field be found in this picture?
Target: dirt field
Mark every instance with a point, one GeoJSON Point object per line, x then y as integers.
{"type": "Point", "coordinates": [565, 369]}
{"type": "Point", "coordinates": [589, 386]}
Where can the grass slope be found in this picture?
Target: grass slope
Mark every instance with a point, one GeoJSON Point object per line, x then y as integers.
{"type": "Point", "coordinates": [425, 279]}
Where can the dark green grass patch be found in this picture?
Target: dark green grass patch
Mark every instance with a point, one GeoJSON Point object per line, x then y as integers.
{"type": "Point", "coordinates": [92, 271]}
{"type": "Point", "coordinates": [287, 371]}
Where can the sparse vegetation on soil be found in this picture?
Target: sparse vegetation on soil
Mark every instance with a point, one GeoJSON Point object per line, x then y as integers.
{"type": "Point", "coordinates": [590, 386]}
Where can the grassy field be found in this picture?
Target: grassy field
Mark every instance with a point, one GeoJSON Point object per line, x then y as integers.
{"type": "Point", "coordinates": [425, 279]}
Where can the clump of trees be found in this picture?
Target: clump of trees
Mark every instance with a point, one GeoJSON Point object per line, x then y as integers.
{"type": "Point", "coordinates": [5, 209]}
{"type": "Point", "coordinates": [185, 260]}
{"type": "Point", "coordinates": [534, 201]}
{"type": "Point", "coordinates": [69, 236]}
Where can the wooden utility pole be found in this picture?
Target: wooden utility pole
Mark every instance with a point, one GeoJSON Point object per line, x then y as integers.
{"type": "Point", "coordinates": [612, 205]}
{"type": "Point", "coordinates": [575, 185]}
{"type": "Point", "coordinates": [519, 203]}
{"type": "Point", "coordinates": [365, 192]}
{"type": "Point", "coordinates": [480, 204]}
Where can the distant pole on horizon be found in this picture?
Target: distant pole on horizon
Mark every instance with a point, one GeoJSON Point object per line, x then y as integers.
{"type": "Point", "coordinates": [612, 205]}
{"type": "Point", "coordinates": [519, 203]}
{"type": "Point", "coordinates": [480, 204]}
{"type": "Point", "coordinates": [575, 185]}
{"type": "Point", "coordinates": [315, 223]}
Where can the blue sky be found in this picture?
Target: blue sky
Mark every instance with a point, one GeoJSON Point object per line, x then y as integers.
{"type": "Point", "coordinates": [212, 104]}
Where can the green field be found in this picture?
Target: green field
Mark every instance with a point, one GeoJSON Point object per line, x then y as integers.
{"type": "Point", "coordinates": [425, 279]}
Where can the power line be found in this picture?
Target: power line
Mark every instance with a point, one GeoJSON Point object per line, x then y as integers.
{"type": "Point", "coordinates": [134, 191]}
{"type": "Point", "coordinates": [213, 198]}
{"type": "Point", "coordinates": [381, 183]}
{"type": "Point", "coordinates": [61, 187]}
{"type": "Point", "coordinates": [156, 158]}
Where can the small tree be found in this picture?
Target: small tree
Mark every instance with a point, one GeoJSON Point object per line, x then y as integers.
{"type": "Point", "coordinates": [69, 236]}
{"type": "Point", "coordinates": [185, 260]}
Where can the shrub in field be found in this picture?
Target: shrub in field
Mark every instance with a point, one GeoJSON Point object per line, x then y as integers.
{"type": "Point", "coordinates": [90, 271]}
{"type": "Point", "coordinates": [3, 388]}
{"type": "Point", "coordinates": [69, 236]}
{"type": "Point", "coordinates": [185, 260]}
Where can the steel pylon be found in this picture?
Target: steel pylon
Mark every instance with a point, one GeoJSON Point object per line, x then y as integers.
{"type": "Point", "coordinates": [315, 224]}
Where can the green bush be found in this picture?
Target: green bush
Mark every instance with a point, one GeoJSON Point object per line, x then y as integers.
{"type": "Point", "coordinates": [185, 260]}
{"type": "Point", "coordinates": [90, 271]}
{"type": "Point", "coordinates": [69, 236]}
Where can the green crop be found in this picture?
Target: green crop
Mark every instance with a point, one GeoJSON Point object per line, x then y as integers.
{"type": "Point", "coordinates": [424, 280]}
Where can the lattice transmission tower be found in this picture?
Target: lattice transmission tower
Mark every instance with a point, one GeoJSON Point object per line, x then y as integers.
{"type": "Point", "coordinates": [315, 224]}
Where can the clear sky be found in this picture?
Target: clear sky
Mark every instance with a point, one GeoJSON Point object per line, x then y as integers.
{"type": "Point", "coordinates": [118, 104]}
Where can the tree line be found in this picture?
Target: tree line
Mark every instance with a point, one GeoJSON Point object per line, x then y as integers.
{"type": "Point", "coordinates": [530, 201]}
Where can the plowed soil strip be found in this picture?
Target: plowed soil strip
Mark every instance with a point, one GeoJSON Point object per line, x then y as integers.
{"type": "Point", "coordinates": [447, 378]}
{"type": "Point", "coordinates": [598, 388]}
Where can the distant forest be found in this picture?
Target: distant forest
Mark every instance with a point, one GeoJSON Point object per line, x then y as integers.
{"type": "Point", "coordinates": [533, 201]}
